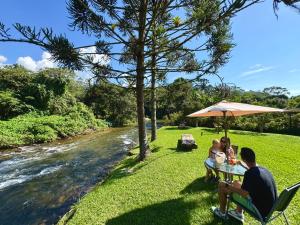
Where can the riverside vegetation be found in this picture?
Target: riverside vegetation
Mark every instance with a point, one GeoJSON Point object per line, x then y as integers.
{"type": "Point", "coordinates": [41, 107]}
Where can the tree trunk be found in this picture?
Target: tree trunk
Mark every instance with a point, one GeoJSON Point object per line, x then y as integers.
{"type": "Point", "coordinates": [140, 72]}
{"type": "Point", "coordinates": [153, 106]}
{"type": "Point", "coordinates": [143, 145]}
{"type": "Point", "coordinates": [153, 92]}
{"type": "Point", "coordinates": [261, 123]}
{"type": "Point", "coordinates": [261, 128]}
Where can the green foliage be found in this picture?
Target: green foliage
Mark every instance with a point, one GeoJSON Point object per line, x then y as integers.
{"type": "Point", "coordinates": [173, 118]}
{"type": "Point", "coordinates": [42, 133]}
{"type": "Point", "coordinates": [177, 100]}
{"type": "Point", "coordinates": [41, 107]}
{"type": "Point", "coordinates": [179, 96]}
{"type": "Point", "coordinates": [294, 102]}
{"type": "Point", "coordinates": [36, 128]}
{"type": "Point", "coordinates": [112, 103]}
{"type": "Point", "coordinates": [176, 21]}
{"type": "Point", "coordinates": [11, 106]}
{"type": "Point", "coordinates": [35, 89]}
{"type": "Point", "coordinates": [169, 188]}
{"type": "Point", "coordinates": [61, 105]}
{"type": "Point", "coordinates": [276, 91]}
{"type": "Point", "coordinates": [14, 78]}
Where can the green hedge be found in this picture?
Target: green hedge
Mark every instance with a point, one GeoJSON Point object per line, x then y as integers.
{"type": "Point", "coordinates": [34, 128]}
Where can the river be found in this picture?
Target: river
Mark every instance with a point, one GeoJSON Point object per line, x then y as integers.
{"type": "Point", "coordinates": [39, 183]}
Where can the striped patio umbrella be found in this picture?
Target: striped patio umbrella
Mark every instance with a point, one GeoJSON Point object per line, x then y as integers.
{"type": "Point", "coordinates": [225, 109]}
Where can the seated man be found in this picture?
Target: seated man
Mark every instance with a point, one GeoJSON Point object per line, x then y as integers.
{"type": "Point", "coordinates": [258, 183]}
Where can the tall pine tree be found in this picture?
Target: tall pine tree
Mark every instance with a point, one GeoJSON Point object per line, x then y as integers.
{"type": "Point", "coordinates": [123, 30]}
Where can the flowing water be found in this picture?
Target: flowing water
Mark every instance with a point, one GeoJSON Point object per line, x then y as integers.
{"type": "Point", "coordinates": [38, 184]}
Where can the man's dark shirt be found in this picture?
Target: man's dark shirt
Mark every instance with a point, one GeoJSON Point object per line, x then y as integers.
{"type": "Point", "coordinates": [260, 184]}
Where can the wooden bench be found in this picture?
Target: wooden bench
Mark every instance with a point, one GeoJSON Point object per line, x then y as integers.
{"type": "Point", "coordinates": [186, 143]}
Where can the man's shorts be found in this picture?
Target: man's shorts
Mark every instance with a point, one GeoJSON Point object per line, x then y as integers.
{"type": "Point", "coordinates": [244, 202]}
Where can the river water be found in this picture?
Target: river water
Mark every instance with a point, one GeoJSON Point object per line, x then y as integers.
{"type": "Point", "coordinates": [38, 184]}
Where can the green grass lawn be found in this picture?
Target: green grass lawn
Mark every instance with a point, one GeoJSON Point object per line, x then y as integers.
{"type": "Point", "coordinates": [168, 188]}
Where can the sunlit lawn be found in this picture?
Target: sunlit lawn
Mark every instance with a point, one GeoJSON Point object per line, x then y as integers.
{"type": "Point", "coordinates": [168, 188]}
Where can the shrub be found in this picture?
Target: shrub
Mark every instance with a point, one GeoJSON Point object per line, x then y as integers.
{"type": "Point", "coordinates": [10, 106]}
{"type": "Point", "coordinates": [174, 118]}
{"type": "Point", "coordinates": [42, 133]}
{"type": "Point", "coordinates": [36, 128]}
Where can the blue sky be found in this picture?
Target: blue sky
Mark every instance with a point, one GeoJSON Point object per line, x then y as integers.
{"type": "Point", "coordinates": [267, 51]}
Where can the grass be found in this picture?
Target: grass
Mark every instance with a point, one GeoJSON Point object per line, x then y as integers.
{"type": "Point", "coordinates": [169, 189]}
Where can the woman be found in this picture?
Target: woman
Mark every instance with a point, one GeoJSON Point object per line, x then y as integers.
{"type": "Point", "coordinates": [226, 148]}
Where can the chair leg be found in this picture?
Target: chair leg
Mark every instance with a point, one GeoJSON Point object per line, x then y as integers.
{"type": "Point", "coordinates": [228, 205]}
{"type": "Point", "coordinates": [225, 176]}
{"type": "Point", "coordinates": [286, 220]}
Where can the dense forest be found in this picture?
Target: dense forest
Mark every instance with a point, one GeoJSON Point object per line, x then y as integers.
{"type": "Point", "coordinates": [180, 98]}
{"type": "Point", "coordinates": [42, 106]}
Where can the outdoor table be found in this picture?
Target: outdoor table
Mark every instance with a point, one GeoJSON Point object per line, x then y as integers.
{"type": "Point", "coordinates": [229, 170]}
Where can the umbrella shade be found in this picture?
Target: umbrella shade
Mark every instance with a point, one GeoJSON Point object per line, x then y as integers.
{"type": "Point", "coordinates": [225, 108]}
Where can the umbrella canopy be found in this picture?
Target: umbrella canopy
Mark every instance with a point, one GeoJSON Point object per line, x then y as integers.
{"type": "Point", "coordinates": [225, 108]}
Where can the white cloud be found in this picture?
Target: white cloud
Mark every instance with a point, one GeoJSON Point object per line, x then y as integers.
{"type": "Point", "coordinates": [294, 70]}
{"type": "Point", "coordinates": [3, 59]}
{"type": "Point", "coordinates": [47, 62]}
{"type": "Point", "coordinates": [258, 68]}
{"type": "Point", "coordinates": [27, 62]}
{"type": "Point", "coordinates": [84, 75]}
{"type": "Point", "coordinates": [102, 59]}
{"type": "Point", "coordinates": [33, 65]}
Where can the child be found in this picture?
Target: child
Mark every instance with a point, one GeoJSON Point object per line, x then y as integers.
{"type": "Point", "coordinates": [227, 149]}
{"type": "Point", "coordinates": [215, 148]}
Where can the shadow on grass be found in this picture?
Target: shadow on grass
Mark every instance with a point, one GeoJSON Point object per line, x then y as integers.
{"type": "Point", "coordinates": [176, 128]}
{"type": "Point", "coordinates": [247, 133]}
{"type": "Point", "coordinates": [172, 212]}
{"type": "Point", "coordinates": [156, 149]}
{"type": "Point", "coordinates": [131, 165]}
{"type": "Point", "coordinates": [216, 221]}
{"type": "Point", "coordinates": [178, 150]}
{"type": "Point", "coordinates": [123, 170]}
{"type": "Point", "coordinates": [209, 130]}
{"type": "Point", "coordinates": [199, 185]}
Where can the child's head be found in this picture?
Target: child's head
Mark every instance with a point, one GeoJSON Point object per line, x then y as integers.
{"type": "Point", "coordinates": [216, 143]}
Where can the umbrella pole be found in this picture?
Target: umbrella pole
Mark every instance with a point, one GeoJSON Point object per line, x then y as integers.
{"type": "Point", "coordinates": [225, 123]}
